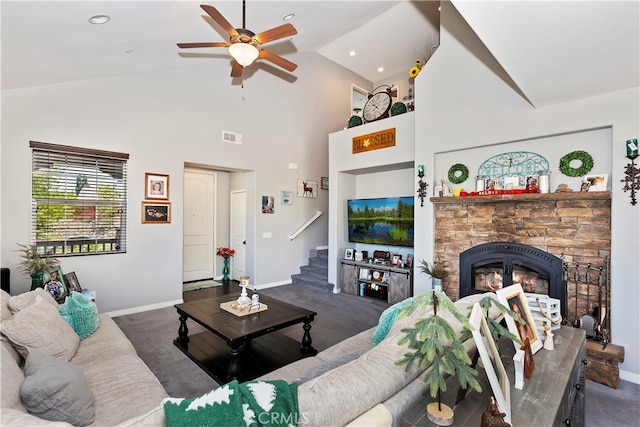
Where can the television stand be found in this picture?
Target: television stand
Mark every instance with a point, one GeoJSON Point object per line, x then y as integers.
{"type": "Point", "coordinates": [378, 281]}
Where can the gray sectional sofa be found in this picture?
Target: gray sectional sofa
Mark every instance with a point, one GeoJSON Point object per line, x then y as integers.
{"type": "Point", "coordinates": [351, 383]}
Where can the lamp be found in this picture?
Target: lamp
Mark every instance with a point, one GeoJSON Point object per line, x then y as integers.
{"type": "Point", "coordinates": [244, 53]}
{"type": "Point", "coordinates": [632, 171]}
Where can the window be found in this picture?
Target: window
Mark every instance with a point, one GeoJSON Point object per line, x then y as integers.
{"type": "Point", "coordinates": [78, 200]}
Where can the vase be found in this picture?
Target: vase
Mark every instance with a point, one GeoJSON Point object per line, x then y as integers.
{"type": "Point", "coordinates": [436, 284]}
{"type": "Point", "coordinates": [225, 269]}
{"type": "Point", "coordinates": [37, 280]}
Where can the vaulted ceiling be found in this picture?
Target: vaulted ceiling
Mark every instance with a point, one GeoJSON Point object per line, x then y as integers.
{"type": "Point", "coordinates": [554, 51]}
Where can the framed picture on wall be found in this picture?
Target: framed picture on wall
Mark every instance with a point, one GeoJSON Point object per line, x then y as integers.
{"type": "Point", "coordinates": [307, 188]}
{"type": "Point", "coordinates": [156, 213]}
{"type": "Point", "coordinates": [156, 186]}
{"type": "Point", "coordinates": [324, 182]}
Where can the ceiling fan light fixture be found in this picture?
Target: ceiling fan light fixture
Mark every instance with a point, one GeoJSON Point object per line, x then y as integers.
{"type": "Point", "coordinates": [244, 53]}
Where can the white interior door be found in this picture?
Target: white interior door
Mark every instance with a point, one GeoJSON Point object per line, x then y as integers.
{"type": "Point", "coordinates": [199, 202]}
{"type": "Point", "coordinates": [239, 232]}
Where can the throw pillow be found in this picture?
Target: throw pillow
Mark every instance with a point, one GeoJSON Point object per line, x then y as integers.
{"type": "Point", "coordinates": [56, 390]}
{"type": "Point", "coordinates": [81, 314]}
{"type": "Point", "coordinates": [20, 301]}
{"type": "Point", "coordinates": [39, 326]}
{"type": "Point", "coordinates": [318, 370]}
{"type": "Point", "coordinates": [386, 320]}
{"type": "Point", "coordinates": [251, 403]}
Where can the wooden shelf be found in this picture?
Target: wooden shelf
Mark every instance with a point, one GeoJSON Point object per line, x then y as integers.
{"type": "Point", "coordinates": [526, 197]}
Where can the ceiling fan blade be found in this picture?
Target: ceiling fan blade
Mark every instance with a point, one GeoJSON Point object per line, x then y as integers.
{"type": "Point", "coordinates": [213, 44]}
{"type": "Point", "coordinates": [221, 20]}
{"type": "Point", "coordinates": [278, 60]}
{"type": "Point", "coordinates": [236, 69]}
{"type": "Point", "coordinates": [284, 30]}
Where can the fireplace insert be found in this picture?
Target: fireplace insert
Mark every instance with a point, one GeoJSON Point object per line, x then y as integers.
{"type": "Point", "coordinates": [492, 266]}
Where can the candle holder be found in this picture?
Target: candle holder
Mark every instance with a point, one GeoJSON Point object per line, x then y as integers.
{"type": "Point", "coordinates": [632, 178]}
{"type": "Point", "coordinates": [244, 299]}
{"type": "Point", "coordinates": [422, 186]}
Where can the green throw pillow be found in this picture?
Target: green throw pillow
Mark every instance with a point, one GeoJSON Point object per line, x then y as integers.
{"type": "Point", "coordinates": [386, 320]}
{"type": "Point", "coordinates": [81, 313]}
{"type": "Point", "coordinates": [251, 403]}
{"type": "Point", "coordinates": [56, 390]}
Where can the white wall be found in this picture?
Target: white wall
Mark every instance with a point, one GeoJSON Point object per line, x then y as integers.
{"type": "Point", "coordinates": [164, 120]}
{"type": "Point", "coordinates": [461, 103]}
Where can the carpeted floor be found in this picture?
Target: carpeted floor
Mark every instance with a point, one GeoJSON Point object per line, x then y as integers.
{"type": "Point", "coordinates": [339, 316]}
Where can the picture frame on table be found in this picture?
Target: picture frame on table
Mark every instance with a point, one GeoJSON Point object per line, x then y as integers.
{"type": "Point", "coordinates": [348, 253]}
{"type": "Point", "coordinates": [513, 297]}
{"type": "Point", "coordinates": [73, 285]}
{"type": "Point", "coordinates": [597, 182]}
{"type": "Point", "coordinates": [491, 361]}
{"type": "Point", "coordinates": [156, 186]}
{"type": "Point", "coordinates": [364, 274]}
{"type": "Point", "coordinates": [156, 212]}
{"type": "Point", "coordinates": [395, 259]}
{"type": "Point", "coordinates": [54, 283]}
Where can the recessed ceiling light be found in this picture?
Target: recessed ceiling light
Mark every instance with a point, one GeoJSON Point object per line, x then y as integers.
{"type": "Point", "coordinates": [99, 19]}
{"type": "Point", "coordinates": [352, 53]}
{"type": "Point", "coordinates": [288, 16]}
{"type": "Point", "coordinates": [380, 69]}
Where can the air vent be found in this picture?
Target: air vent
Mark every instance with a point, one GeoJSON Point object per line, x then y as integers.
{"type": "Point", "coordinates": [234, 138]}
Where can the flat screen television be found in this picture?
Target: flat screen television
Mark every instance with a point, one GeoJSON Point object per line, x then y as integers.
{"type": "Point", "coordinates": [382, 221]}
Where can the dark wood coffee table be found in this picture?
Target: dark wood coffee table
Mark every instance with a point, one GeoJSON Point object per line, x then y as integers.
{"type": "Point", "coordinates": [246, 347]}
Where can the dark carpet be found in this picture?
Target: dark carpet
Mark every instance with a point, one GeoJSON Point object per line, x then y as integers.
{"type": "Point", "coordinates": [339, 316]}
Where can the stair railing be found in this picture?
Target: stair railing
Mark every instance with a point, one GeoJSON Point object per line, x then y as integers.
{"type": "Point", "coordinates": [305, 225]}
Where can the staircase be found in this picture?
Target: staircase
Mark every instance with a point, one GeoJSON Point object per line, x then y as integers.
{"type": "Point", "coordinates": [315, 274]}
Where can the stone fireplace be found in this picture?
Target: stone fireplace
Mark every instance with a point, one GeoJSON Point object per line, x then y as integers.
{"type": "Point", "coordinates": [574, 228]}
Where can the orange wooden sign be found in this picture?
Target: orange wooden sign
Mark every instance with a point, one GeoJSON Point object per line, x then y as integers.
{"type": "Point", "coordinates": [374, 141]}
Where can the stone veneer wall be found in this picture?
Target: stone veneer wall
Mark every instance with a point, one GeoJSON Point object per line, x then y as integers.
{"type": "Point", "coordinates": [573, 226]}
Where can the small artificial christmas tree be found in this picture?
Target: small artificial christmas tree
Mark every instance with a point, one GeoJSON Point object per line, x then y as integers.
{"type": "Point", "coordinates": [434, 342]}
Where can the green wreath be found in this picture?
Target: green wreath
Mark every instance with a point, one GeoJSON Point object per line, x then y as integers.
{"type": "Point", "coordinates": [585, 165]}
{"type": "Point", "coordinates": [453, 171]}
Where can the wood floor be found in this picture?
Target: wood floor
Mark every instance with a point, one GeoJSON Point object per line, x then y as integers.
{"type": "Point", "coordinates": [228, 287]}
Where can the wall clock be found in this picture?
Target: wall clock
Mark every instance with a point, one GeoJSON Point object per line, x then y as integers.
{"type": "Point", "coordinates": [377, 106]}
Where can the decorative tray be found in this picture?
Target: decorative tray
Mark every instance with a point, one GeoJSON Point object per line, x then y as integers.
{"type": "Point", "coordinates": [242, 310]}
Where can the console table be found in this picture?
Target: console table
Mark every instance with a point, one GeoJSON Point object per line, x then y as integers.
{"type": "Point", "coordinates": [379, 281]}
{"type": "Point", "coordinates": [553, 396]}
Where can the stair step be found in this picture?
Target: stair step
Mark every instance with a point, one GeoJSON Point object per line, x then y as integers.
{"type": "Point", "coordinates": [315, 271]}
{"type": "Point", "coordinates": [322, 253]}
{"type": "Point", "coordinates": [319, 261]}
{"type": "Point", "coordinates": [302, 279]}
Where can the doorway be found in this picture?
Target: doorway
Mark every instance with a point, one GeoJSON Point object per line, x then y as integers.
{"type": "Point", "coordinates": [199, 225]}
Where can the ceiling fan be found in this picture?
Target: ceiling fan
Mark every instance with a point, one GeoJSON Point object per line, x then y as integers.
{"type": "Point", "coordinates": [244, 44]}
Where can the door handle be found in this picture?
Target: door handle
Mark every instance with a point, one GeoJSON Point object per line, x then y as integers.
{"type": "Point", "coordinates": [244, 242]}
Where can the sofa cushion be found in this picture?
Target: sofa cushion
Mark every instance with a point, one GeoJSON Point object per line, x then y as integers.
{"type": "Point", "coordinates": [39, 326]}
{"type": "Point", "coordinates": [387, 318]}
{"type": "Point", "coordinates": [5, 311]}
{"type": "Point", "coordinates": [328, 365]}
{"type": "Point", "coordinates": [56, 390]}
{"type": "Point", "coordinates": [11, 377]}
{"type": "Point", "coordinates": [81, 314]}
{"type": "Point", "coordinates": [20, 301]}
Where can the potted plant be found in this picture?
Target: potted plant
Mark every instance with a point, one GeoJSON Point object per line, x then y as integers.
{"type": "Point", "coordinates": [34, 264]}
{"type": "Point", "coordinates": [436, 270]}
{"type": "Point", "coordinates": [225, 253]}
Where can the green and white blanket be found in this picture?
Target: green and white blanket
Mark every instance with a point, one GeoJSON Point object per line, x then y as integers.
{"type": "Point", "coordinates": [252, 403]}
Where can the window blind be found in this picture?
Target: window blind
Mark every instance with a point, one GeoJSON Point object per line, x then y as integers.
{"type": "Point", "coordinates": [79, 200]}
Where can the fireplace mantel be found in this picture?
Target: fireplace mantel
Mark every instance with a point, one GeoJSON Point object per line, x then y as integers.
{"type": "Point", "coordinates": [527, 197]}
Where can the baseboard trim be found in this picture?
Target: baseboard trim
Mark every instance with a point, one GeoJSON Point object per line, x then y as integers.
{"type": "Point", "coordinates": [143, 308]}
{"type": "Point", "coordinates": [271, 285]}
{"type": "Point", "coordinates": [630, 376]}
